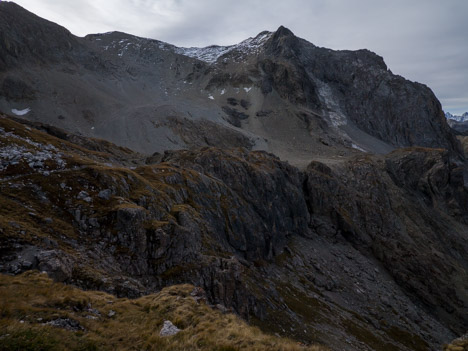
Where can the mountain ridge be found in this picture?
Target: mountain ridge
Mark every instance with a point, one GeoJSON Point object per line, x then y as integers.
{"type": "Point", "coordinates": [458, 123]}
{"type": "Point", "coordinates": [278, 91]}
{"type": "Point", "coordinates": [458, 118]}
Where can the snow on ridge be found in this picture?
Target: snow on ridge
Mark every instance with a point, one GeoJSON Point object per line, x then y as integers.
{"type": "Point", "coordinates": [462, 118]}
{"type": "Point", "coordinates": [21, 112]}
{"type": "Point", "coordinates": [211, 54]}
{"type": "Point", "coordinates": [251, 44]}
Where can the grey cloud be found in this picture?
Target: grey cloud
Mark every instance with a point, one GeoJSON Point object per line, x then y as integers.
{"type": "Point", "coordinates": [422, 40]}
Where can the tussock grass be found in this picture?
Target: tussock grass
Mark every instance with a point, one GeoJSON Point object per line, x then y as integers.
{"type": "Point", "coordinates": [464, 141]}
{"type": "Point", "coordinates": [30, 300]}
{"type": "Point", "coordinates": [457, 345]}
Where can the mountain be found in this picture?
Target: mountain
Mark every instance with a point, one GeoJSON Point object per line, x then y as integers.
{"type": "Point", "coordinates": [462, 118]}
{"type": "Point", "coordinates": [459, 124]}
{"type": "Point", "coordinates": [274, 92]}
{"type": "Point", "coordinates": [309, 191]}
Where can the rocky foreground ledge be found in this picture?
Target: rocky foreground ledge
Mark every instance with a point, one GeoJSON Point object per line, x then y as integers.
{"type": "Point", "coordinates": [38, 314]}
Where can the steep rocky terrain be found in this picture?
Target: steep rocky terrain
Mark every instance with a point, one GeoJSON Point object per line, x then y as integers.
{"type": "Point", "coordinates": [310, 191]}
{"type": "Point", "coordinates": [310, 255]}
{"type": "Point", "coordinates": [274, 92]}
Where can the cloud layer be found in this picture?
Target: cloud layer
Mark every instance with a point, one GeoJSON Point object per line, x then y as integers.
{"type": "Point", "coordinates": [422, 40]}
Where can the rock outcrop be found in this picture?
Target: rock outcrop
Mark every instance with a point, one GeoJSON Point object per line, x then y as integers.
{"type": "Point", "coordinates": [303, 254]}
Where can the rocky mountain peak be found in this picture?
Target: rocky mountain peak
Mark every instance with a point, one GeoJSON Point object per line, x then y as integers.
{"type": "Point", "coordinates": [283, 42]}
{"type": "Point", "coordinates": [283, 32]}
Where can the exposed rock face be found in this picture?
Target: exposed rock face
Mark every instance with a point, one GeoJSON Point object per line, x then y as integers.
{"type": "Point", "coordinates": [363, 254]}
{"type": "Point", "coordinates": [294, 99]}
{"type": "Point", "coordinates": [261, 188]}
{"type": "Point", "coordinates": [378, 102]}
{"type": "Point", "coordinates": [398, 214]}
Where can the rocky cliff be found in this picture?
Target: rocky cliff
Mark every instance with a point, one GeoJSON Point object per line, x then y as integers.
{"type": "Point", "coordinates": [302, 254]}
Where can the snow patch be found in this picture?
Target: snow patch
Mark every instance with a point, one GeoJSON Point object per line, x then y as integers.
{"type": "Point", "coordinates": [209, 54]}
{"type": "Point", "coordinates": [354, 146]}
{"type": "Point", "coordinates": [211, 97]}
{"type": "Point", "coordinates": [223, 91]}
{"type": "Point", "coordinates": [335, 114]}
{"type": "Point", "coordinates": [21, 112]}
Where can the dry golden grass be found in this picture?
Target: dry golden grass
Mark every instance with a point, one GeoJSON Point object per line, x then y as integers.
{"type": "Point", "coordinates": [30, 300]}
{"type": "Point", "coordinates": [464, 141]}
{"type": "Point", "coordinates": [457, 345]}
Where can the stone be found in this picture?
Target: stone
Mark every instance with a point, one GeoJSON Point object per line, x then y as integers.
{"type": "Point", "coordinates": [169, 329]}
{"type": "Point", "coordinates": [222, 308]}
{"type": "Point", "coordinates": [56, 263]}
{"type": "Point", "coordinates": [83, 195]}
{"type": "Point", "coordinates": [26, 264]}
{"type": "Point", "coordinates": [93, 222]}
{"type": "Point", "coordinates": [105, 194]}
{"type": "Point", "coordinates": [199, 295]}
{"type": "Point", "coordinates": [66, 323]}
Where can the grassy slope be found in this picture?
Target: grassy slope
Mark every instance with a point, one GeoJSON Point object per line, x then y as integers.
{"type": "Point", "coordinates": [30, 300]}
{"type": "Point", "coordinates": [464, 141]}
{"type": "Point", "coordinates": [457, 345]}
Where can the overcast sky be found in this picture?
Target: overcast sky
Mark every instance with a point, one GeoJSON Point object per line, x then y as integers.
{"type": "Point", "coordinates": [422, 40]}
